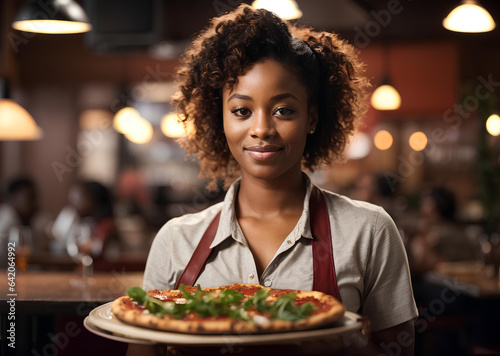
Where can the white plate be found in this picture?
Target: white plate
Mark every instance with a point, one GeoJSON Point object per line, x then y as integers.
{"type": "Point", "coordinates": [109, 335]}
{"type": "Point", "coordinates": [102, 322]}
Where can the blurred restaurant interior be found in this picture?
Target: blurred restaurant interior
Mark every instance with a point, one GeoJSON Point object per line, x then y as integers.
{"type": "Point", "coordinates": [432, 161]}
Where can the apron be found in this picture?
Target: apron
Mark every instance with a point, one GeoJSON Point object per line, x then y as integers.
{"type": "Point", "coordinates": [324, 278]}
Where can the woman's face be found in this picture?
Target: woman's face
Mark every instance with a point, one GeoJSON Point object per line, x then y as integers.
{"type": "Point", "coordinates": [266, 121]}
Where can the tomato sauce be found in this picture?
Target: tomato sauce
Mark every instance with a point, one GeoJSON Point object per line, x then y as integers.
{"type": "Point", "coordinates": [246, 290]}
{"type": "Point", "coordinates": [279, 292]}
{"type": "Point", "coordinates": [320, 307]}
{"type": "Point", "coordinates": [131, 305]}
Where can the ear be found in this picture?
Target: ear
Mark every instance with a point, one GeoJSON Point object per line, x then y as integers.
{"type": "Point", "coordinates": [313, 118]}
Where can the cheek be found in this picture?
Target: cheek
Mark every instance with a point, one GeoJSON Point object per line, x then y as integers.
{"type": "Point", "coordinates": [234, 131]}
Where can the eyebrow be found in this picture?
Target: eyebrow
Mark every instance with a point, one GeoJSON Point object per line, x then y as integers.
{"type": "Point", "coordinates": [274, 98]}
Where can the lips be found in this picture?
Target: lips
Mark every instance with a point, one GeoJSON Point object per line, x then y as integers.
{"type": "Point", "coordinates": [263, 152]}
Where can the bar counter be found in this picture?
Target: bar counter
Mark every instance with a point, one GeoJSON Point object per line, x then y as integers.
{"type": "Point", "coordinates": [48, 309]}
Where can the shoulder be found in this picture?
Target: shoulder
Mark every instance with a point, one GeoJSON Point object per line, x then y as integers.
{"type": "Point", "coordinates": [188, 222]}
{"type": "Point", "coordinates": [173, 246]}
{"type": "Point", "coordinates": [342, 207]}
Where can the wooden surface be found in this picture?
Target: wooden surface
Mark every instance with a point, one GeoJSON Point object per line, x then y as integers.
{"type": "Point", "coordinates": [472, 279]}
{"type": "Point", "coordinates": [103, 287]}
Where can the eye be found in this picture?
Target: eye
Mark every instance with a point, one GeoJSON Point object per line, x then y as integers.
{"type": "Point", "coordinates": [241, 112]}
{"type": "Point", "coordinates": [284, 111]}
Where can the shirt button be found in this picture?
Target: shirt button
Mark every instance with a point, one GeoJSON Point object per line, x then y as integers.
{"type": "Point", "coordinates": [289, 242]}
{"type": "Point", "coordinates": [267, 283]}
{"type": "Point", "coordinates": [251, 276]}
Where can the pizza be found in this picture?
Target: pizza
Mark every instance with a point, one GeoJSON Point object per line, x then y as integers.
{"type": "Point", "coordinates": [234, 309]}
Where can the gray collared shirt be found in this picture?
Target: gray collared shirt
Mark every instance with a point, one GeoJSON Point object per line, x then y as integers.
{"type": "Point", "coordinates": [370, 261]}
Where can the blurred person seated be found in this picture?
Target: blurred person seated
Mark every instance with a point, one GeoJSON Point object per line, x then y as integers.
{"type": "Point", "coordinates": [440, 237]}
{"type": "Point", "coordinates": [87, 222]}
{"type": "Point", "coordinates": [375, 188]}
{"type": "Point", "coordinates": [20, 204]}
{"type": "Point", "coordinates": [18, 214]}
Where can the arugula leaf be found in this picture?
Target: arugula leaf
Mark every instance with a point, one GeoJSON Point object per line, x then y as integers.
{"type": "Point", "coordinates": [258, 300]}
{"type": "Point", "coordinates": [229, 296]}
{"type": "Point", "coordinates": [137, 294]}
{"type": "Point", "coordinates": [284, 308]}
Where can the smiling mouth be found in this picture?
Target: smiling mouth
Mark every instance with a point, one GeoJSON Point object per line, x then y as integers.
{"type": "Point", "coordinates": [263, 148]}
{"type": "Point", "coordinates": [263, 153]}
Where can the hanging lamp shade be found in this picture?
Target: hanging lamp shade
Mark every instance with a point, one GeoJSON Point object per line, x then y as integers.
{"type": "Point", "coordinates": [286, 9]}
{"type": "Point", "coordinates": [386, 97]}
{"type": "Point", "coordinates": [16, 124]}
{"type": "Point", "coordinates": [469, 17]}
{"type": "Point", "coordinates": [52, 17]}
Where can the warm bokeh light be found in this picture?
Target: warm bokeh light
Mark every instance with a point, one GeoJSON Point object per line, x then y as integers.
{"type": "Point", "coordinates": [171, 126]}
{"type": "Point", "coordinates": [469, 17]}
{"type": "Point", "coordinates": [493, 125]}
{"type": "Point", "coordinates": [385, 97]}
{"type": "Point", "coordinates": [52, 26]}
{"type": "Point", "coordinates": [142, 132]}
{"type": "Point", "coordinates": [383, 140]}
{"type": "Point", "coordinates": [286, 9]}
{"type": "Point", "coordinates": [359, 146]}
{"type": "Point", "coordinates": [126, 120]}
{"type": "Point", "coordinates": [16, 124]}
{"type": "Point", "coordinates": [95, 119]}
{"type": "Point", "coordinates": [418, 141]}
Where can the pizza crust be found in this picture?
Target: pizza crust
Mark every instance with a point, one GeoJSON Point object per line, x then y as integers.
{"type": "Point", "coordinates": [123, 312]}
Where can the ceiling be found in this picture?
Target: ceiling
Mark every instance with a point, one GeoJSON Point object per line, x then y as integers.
{"type": "Point", "coordinates": [387, 20]}
{"type": "Point", "coordinates": [47, 59]}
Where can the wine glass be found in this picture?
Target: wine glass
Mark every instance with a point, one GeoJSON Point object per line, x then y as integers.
{"type": "Point", "coordinates": [78, 246]}
{"type": "Point", "coordinates": [21, 237]}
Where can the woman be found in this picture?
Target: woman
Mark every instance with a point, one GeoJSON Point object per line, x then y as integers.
{"type": "Point", "coordinates": [266, 99]}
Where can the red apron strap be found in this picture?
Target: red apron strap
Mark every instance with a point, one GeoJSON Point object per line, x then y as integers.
{"type": "Point", "coordinates": [323, 267]}
{"type": "Point", "coordinates": [200, 255]}
{"type": "Point", "coordinates": [324, 278]}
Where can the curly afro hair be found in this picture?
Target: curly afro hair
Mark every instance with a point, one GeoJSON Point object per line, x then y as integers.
{"type": "Point", "coordinates": [327, 66]}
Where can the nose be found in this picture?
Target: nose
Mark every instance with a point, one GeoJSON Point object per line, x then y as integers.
{"type": "Point", "coordinates": [262, 127]}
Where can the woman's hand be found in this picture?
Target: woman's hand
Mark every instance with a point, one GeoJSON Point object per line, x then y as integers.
{"type": "Point", "coordinates": [395, 341]}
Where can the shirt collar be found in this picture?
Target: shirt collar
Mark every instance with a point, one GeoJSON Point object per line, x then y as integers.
{"type": "Point", "coordinates": [229, 227]}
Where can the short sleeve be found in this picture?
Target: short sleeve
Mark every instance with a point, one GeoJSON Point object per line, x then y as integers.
{"type": "Point", "coordinates": [158, 263]}
{"type": "Point", "coordinates": [388, 295]}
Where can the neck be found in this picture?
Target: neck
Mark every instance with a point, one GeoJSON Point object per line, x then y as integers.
{"type": "Point", "coordinates": [271, 197]}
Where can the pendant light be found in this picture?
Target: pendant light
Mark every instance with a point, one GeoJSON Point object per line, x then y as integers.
{"type": "Point", "coordinates": [493, 125]}
{"type": "Point", "coordinates": [52, 17]}
{"type": "Point", "coordinates": [16, 124]}
{"type": "Point", "coordinates": [469, 17]}
{"type": "Point", "coordinates": [385, 97]}
{"type": "Point", "coordinates": [286, 9]}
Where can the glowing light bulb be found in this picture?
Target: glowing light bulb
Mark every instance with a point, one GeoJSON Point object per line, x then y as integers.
{"type": "Point", "coordinates": [383, 140]}
{"type": "Point", "coordinates": [493, 125]}
{"type": "Point", "coordinates": [386, 97]}
{"type": "Point", "coordinates": [141, 133]}
{"type": "Point", "coordinates": [171, 126]}
{"type": "Point", "coordinates": [286, 9]}
{"type": "Point", "coordinates": [469, 17]}
{"type": "Point", "coordinates": [418, 141]}
{"type": "Point", "coordinates": [126, 120]}
{"type": "Point", "coordinates": [359, 146]}
{"type": "Point", "coordinates": [16, 124]}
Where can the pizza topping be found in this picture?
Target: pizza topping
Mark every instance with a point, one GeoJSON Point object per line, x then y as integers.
{"type": "Point", "coordinates": [208, 305]}
{"type": "Point", "coordinates": [203, 303]}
